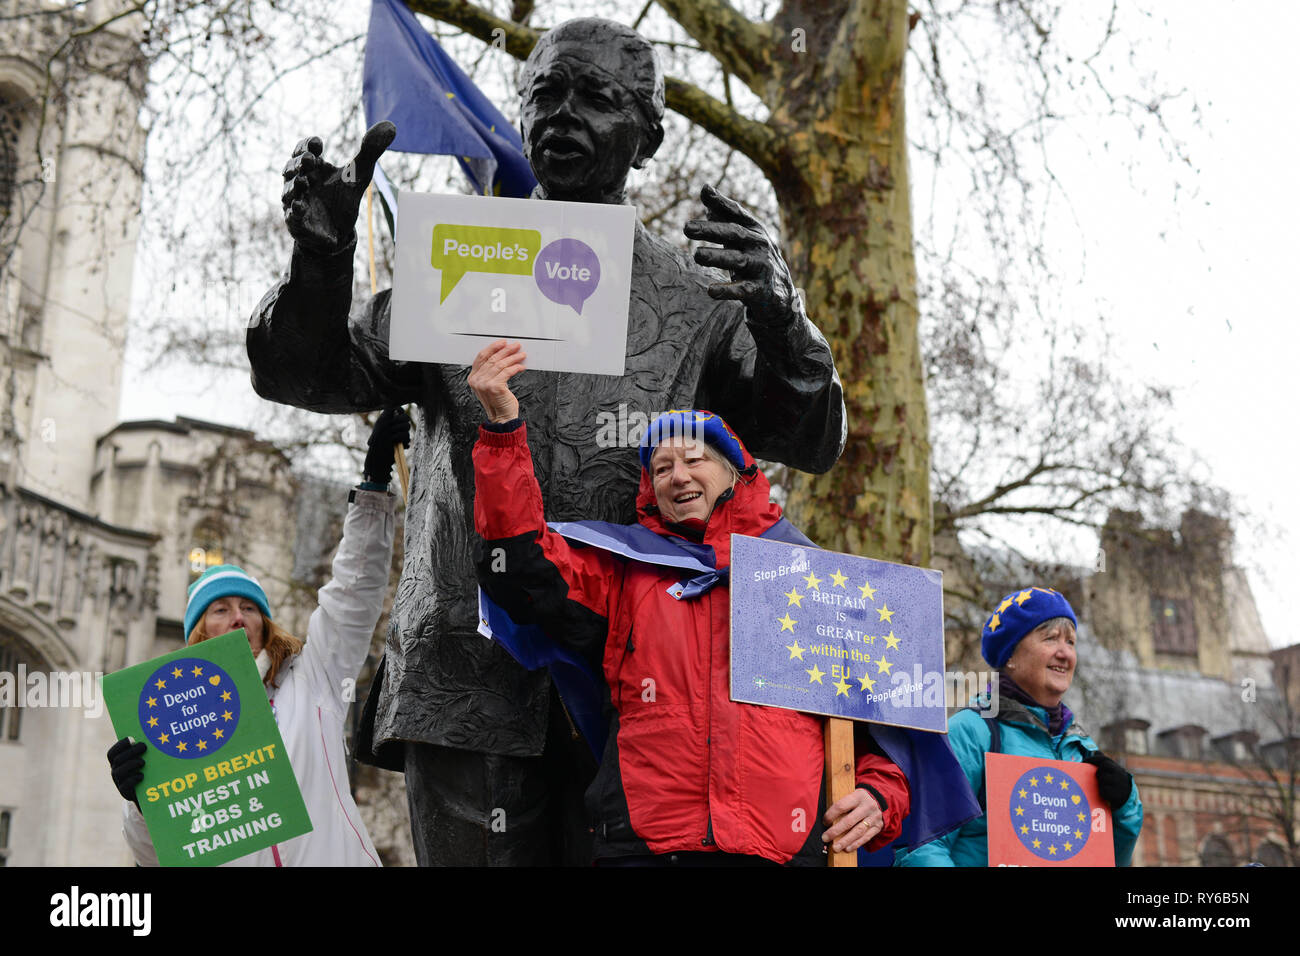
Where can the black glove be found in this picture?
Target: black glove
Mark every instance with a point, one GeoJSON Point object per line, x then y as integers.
{"type": "Point", "coordinates": [1114, 782]}
{"type": "Point", "coordinates": [392, 428]}
{"type": "Point", "coordinates": [127, 762]}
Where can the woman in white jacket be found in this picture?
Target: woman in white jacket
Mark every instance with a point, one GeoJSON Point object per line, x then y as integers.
{"type": "Point", "coordinates": [308, 683]}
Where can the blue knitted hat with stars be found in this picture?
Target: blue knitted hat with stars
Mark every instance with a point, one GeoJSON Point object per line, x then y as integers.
{"type": "Point", "coordinates": [695, 424]}
{"type": "Point", "coordinates": [1018, 614]}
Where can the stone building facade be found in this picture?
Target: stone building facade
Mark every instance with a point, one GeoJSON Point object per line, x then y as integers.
{"type": "Point", "coordinates": [103, 525]}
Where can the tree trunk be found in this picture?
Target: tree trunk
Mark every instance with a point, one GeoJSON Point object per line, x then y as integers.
{"type": "Point", "coordinates": [848, 230]}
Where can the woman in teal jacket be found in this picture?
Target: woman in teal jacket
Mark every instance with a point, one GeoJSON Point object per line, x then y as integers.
{"type": "Point", "coordinates": [1030, 638]}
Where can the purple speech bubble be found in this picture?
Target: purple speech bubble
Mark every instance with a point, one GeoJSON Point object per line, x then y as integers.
{"type": "Point", "coordinates": [567, 271]}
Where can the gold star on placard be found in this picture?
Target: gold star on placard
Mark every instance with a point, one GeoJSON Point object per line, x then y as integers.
{"type": "Point", "coordinates": [152, 701]}
{"type": "Point", "coordinates": [795, 597]}
{"type": "Point", "coordinates": [177, 672]}
{"type": "Point", "coordinates": [180, 747]}
{"type": "Point", "coordinates": [891, 642]}
{"type": "Point", "coordinates": [218, 733]}
{"type": "Point", "coordinates": [838, 579]}
{"type": "Point", "coordinates": [160, 683]}
{"type": "Point", "coordinates": [1047, 777]}
{"type": "Point", "coordinates": [867, 683]}
{"type": "Point", "coordinates": [883, 665]}
{"type": "Point", "coordinates": [197, 672]}
{"type": "Point", "coordinates": [1065, 785]}
{"type": "Point", "coordinates": [225, 695]}
{"type": "Point", "coordinates": [868, 591]}
{"type": "Point", "coordinates": [1068, 846]}
{"type": "Point", "coordinates": [1024, 828]}
{"type": "Point", "coordinates": [1033, 781]}
{"type": "Point", "coordinates": [787, 623]}
{"type": "Point", "coordinates": [1078, 834]}
{"type": "Point", "coordinates": [1081, 816]}
{"type": "Point", "coordinates": [1052, 849]}
{"type": "Point", "coordinates": [1037, 844]}
{"type": "Point", "coordinates": [813, 581]}
{"type": "Point", "coordinates": [203, 745]}
{"type": "Point", "coordinates": [163, 738]}
{"type": "Point", "coordinates": [227, 715]}
{"type": "Point", "coordinates": [1020, 811]}
{"type": "Point", "coordinates": [153, 721]}
{"type": "Point", "coordinates": [815, 673]}
{"type": "Point", "coordinates": [885, 614]}
{"type": "Point", "coordinates": [1023, 793]}
{"type": "Point", "coordinates": [795, 650]}
{"type": "Point", "coordinates": [842, 687]}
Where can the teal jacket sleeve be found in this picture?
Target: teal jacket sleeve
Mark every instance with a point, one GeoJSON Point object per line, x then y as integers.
{"type": "Point", "coordinates": [969, 739]}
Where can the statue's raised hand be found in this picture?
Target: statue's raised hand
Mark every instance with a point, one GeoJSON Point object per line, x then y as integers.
{"type": "Point", "coordinates": [321, 201]}
{"type": "Point", "coordinates": [760, 277]}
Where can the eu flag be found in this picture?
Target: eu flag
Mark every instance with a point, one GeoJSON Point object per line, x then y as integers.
{"type": "Point", "coordinates": [411, 82]}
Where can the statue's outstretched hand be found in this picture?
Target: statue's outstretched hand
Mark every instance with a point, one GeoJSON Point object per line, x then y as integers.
{"type": "Point", "coordinates": [760, 277]}
{"type": "Point", "coordinates": [321, 201]}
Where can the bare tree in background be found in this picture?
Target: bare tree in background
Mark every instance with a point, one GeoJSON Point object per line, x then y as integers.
{"type": "Point", "coordinates": [802, 109]}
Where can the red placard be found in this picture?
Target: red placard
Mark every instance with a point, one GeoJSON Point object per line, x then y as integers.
{"type": "Point", "coordinates": [1046, 813]}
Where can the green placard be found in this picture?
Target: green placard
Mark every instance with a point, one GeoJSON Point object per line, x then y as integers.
{"type": "Point", "coordinates": [217, 781]}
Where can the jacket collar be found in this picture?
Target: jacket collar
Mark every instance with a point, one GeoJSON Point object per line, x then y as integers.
{"type": "Point", "coordinates": [1014, 712]}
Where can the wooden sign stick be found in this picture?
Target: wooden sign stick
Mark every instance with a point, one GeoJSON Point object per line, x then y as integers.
{"type": "Point", "coordinates": [399, 453]}
{"type": "Point", "coordinates": [840, 776]}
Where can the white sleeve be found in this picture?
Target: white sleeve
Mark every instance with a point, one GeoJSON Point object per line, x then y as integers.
{"type": "Point", "coordinates": [339, 632]}
{"type": "Point", "coordinates": [137, 835]}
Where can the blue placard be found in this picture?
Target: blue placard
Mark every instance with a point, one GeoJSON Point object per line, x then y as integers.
{"type": "Point", "coordinates": [835, 634]}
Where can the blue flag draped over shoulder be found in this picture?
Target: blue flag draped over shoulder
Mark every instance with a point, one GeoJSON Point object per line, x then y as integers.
{"type": "Point", "coordinates": [941, 798]}
{"type": "Point", "coordinates": [411, 82]}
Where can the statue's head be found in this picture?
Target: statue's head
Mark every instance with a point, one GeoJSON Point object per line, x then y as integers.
{"type": "Point", "coordinates": [593, 106]}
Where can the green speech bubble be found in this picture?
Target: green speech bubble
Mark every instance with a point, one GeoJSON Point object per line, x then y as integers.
{"type": "Point", "coordinates": [461, 249]}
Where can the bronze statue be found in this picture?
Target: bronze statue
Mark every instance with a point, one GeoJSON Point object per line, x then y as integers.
{"type": "Point", "coordinates": [494, 770]}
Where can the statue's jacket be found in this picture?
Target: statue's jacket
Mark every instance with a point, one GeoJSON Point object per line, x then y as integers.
{"type": "Point", "coordinates": [773, 381]}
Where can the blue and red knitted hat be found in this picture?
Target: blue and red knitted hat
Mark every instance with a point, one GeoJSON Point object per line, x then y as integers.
{"type": "Point", "coordinates": [697, 424]}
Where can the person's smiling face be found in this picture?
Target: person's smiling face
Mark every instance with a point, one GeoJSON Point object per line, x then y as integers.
{"type": "Point", "coordinates": [582, 129]}
{"type": "Point", "coordinates": [687, 482]}
{"type": "Point", "coordinates": [1043, 663]}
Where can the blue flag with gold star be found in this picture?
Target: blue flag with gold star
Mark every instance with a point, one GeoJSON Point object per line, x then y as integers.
{"type": "Point", "coordinates": [836, 634]}
{"type": "Point", "coordinates": [409, 80]}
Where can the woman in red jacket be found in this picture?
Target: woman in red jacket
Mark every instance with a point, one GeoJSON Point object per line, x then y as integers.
{"type": "Point", "coordinates": [687, 775]}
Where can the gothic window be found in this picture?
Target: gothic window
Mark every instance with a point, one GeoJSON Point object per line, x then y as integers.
{"type": "Point", "coordinates": [1270, 854]}
{"type": "Point", "coordinates": [11, 715]}
{"type": "Point", "coordinates": [1217, 852]}
{"type": "Point", "coordinates": [9, 127]}
{"type": "Point", "coordinates": [206, 550]}
{"type": "Point", "coordinates": [1172, 626]}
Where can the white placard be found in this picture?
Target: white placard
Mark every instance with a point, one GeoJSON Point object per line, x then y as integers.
{"type": "Point", "coordinates": [556, 276]}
